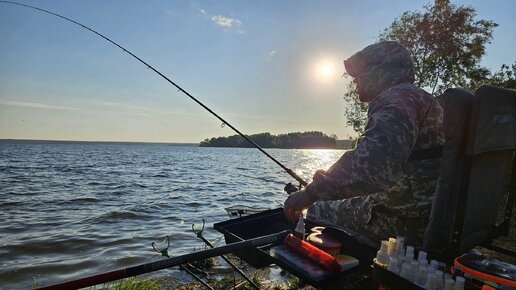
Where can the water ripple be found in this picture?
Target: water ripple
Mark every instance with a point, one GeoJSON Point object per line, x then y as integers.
{"type": "Point", "coordinates": [76, 209]}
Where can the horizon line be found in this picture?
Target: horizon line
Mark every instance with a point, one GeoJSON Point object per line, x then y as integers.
{"type": "Point", "coordinates": [98, 141]}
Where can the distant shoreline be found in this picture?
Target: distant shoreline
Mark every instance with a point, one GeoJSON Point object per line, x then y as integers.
{"type": "Point", "coordinates": [341, 144]}
{"type": "Point", "coordinates": [98, 142]}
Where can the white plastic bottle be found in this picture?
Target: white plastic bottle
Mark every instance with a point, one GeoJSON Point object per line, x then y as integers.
{"type": "Point", "coordinates": [431, 283]}
{"type": "Point", "coordinates": [449, 284]}
{"type": "Point", "coordinates": [421, 275]}
{"type": "Point", "coordinates": [459, 283]}
{"type": "Point", "coordinates": [300, 228]}
{"type": "Point", "coordinates": [393, 265]}
{"type": "Point", "coordinates": [382, 256]}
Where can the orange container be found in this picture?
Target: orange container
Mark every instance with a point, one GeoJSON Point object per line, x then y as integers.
{"type": "Point", "coordinates": [325, 242]}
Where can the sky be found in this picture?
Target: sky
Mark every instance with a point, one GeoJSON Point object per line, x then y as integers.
{"type": "Point", "coordinates": [263, 66]}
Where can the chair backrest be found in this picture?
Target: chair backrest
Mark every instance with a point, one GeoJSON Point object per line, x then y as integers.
{"type": "Point", "coordinates": [477, 169]}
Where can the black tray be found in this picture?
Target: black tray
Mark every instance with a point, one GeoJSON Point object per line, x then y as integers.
{"type": "Point", "coordinates": [253, 226]}
{"type": "Point", "coordinates": [273, 221]}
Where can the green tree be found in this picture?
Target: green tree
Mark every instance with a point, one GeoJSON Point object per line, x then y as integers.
{"type": "Point", "coordinates": [355, 111]}
{"type": "Point", "coordinates": [505, 77]}
{"type": "Point", "coordinates": [447, 44]}
{"type": "Point", "coordinates": [311, 139]}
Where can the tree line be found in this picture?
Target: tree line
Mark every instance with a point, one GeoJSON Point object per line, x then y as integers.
{"type": "Point", "coordinates": [447, 44]}
{"type": "Point", "coordinates": [297, 140]}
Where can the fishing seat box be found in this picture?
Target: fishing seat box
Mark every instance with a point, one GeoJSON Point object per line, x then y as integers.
{"type": "Point", "coordinates": [477, 181]}
{"type": "Point", "coordinates": [273, 221]}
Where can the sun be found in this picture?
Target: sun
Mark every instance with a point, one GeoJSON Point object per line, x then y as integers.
{"type": "Point", "coordinates": [324, 71]}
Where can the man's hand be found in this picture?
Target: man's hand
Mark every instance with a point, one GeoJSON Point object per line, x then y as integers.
{"type": "Point", "coordinates": [296, 202]}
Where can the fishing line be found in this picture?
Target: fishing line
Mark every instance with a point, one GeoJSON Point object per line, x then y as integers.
{"type": "Point", "coordinates": [143, 110]}
{"type": "Point", "coordinates": [224, 122]}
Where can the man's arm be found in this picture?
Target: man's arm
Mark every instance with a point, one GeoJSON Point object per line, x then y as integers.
{"type": "Point", "coordinates": [376, 164]}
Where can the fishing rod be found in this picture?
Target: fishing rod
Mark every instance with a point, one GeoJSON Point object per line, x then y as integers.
{"type": "Point", "coordinates": [224, 122]}
{"type": "Point", "coordinates": [274, 239]}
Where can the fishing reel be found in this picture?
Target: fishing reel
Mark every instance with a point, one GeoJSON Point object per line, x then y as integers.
{"type": "Point", "coordinates": [290, 188]}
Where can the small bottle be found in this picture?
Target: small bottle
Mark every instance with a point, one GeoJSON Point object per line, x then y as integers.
{"type": "Point", "coordinates": [382, 256]}
{"type": "Point", "coordinates": [421, 275]}
{"type": "Point", "coordinates": [459, 283]}
{"type": "Point", "coordinates": [433, 266]}
{"type": "Point", "coordinates": [393, 265]}
{"type": "Point", "coordinates": [392, 247]}
{"type": "Point", "coordinates": [406, 272]}
{"type": "Point", "coordinates": [448, 284]}
{"type": "Point", "coordinates": [409, 254]}
{"type": "Point", "coordinates": [423, 262]}
{"type": "Point", "coordinates": [400, 243]}
{"type": "Point", "coordinates": [401, 256]}
{"type": "Point", "coordinates": [300, 228]}
{"type": "Point", "coordinates": [421, 257]}
{"type": "Point", "coordinates": [430, 282]}
{"type": "Point", "coordinates": [439, 276]}
{"type": "Point", "coordinates": [414, 269]}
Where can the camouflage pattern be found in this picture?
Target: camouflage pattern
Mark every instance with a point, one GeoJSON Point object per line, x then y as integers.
{"type": "Point", "coordinates": [380, 66]}
{"type": "Point", "coordinates": [374, 188]}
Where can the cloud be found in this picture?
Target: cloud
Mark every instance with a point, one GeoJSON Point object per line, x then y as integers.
{"type": "Point", "coordinates": [38, 105]}
{"type": "Point", "coordinates": [226, 22]}
{"type": "Point", "coordinates": [270, 55]}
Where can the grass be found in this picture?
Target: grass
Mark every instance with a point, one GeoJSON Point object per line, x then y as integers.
{"type": "Point", "coordinates": [134, 283]}
{"type": "Point", "coordinates": [227, 282]}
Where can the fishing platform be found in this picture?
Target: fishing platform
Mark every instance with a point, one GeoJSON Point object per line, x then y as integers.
{"type": "Point", "coordinates": [472, 208]}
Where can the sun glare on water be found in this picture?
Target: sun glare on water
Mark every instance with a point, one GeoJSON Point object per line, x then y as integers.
{"type": "Point", "coordinates": [310, 160]}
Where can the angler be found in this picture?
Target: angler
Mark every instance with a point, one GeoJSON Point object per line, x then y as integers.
{"type": "Point", "coordinates": [382, 188]}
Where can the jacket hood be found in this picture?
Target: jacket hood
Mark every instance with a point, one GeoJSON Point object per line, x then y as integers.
{"type": "Point", "coordinates": [380, 66]}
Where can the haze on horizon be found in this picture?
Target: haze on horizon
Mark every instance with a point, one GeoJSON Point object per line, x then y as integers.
{"type": "Point", "coordinates": [264, 66]}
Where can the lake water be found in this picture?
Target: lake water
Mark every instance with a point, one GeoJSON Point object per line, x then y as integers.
{"type": "Point", "coordinates": [72, 209]}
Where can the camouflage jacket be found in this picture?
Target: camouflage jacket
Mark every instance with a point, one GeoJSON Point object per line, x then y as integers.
{"type": "Point", "coordinates": [401, 118]}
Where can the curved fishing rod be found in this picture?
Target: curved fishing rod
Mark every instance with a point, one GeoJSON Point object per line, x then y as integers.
{"type": "Point", "coordinates": [289, 171]}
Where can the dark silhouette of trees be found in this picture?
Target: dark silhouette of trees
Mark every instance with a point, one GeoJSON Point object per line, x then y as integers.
{"type": "Point", "coordinates": [306, 140]}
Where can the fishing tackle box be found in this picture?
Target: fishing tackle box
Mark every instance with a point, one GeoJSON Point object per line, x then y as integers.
{"type": "Point", "coordinates": [273, 221]}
